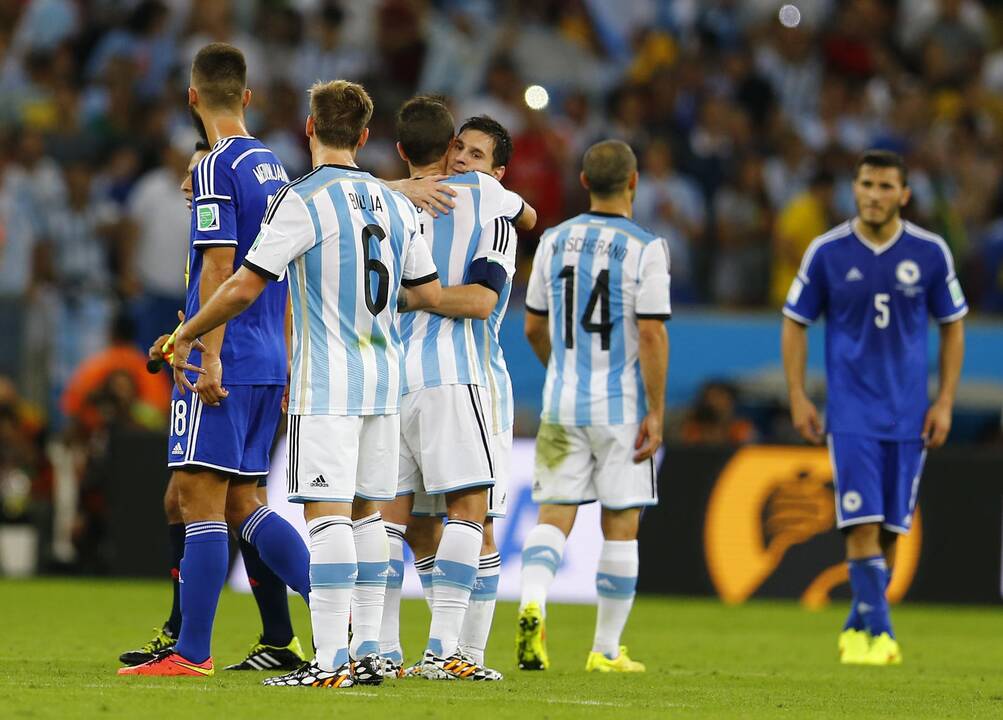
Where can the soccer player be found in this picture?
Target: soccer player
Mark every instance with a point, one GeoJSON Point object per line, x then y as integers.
{"type": "Point", "coordinates": [877, 280]}
{"type": "Point", "coordinates": [446, 451]}
{"type": "Point", "coordinates": [596, 307]}
{"type": "Point", "coordinates": [221, 437]}
{"type": "Point", "coordinates": [277, 647]}
{"type": "Point", "coordinates": [355, 255]}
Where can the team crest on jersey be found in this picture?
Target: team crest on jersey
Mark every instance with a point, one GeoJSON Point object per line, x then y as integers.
{"type": "Point", "coordinates": [852, 501]}
{"type": "Point", "coordinates": [907, 272]}
{"type": "Point", "coordinates": [208, 217]}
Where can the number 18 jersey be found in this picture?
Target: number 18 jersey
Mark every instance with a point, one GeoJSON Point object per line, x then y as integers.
{"type": "Point", "coordinates": [595, 275]}
{"type": "Point", "coordinates": [349, 243]}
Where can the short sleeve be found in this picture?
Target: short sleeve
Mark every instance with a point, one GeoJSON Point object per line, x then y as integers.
{"type": "Point", "coordinates": [536, 293]}
{"type": "Point", "coordinates": [653, 283]}
{"type": "Point", "coordinates": [945, 299]}
{"type": "Point", "coordinates": [418, 268]}
{"type": "Point", "coordinates": [496, 201]}
{"type": "Point", "coordinates": [214, 212]}
{"type": "Point", "coordinates": [806, 297]}
{"type": "Point", "coordinates": [498, 244]}
{"type": "Point", "coordinates": [286, 233]}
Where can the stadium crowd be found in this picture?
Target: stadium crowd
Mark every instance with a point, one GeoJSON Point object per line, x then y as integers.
{"type": "Point", "coordinates": [746, 131]}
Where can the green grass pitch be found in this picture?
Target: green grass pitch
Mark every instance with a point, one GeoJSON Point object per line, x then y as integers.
{"type": "Point", "coordinates": [60, 640]}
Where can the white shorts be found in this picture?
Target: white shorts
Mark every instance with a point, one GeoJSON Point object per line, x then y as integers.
{"type": "Point", "coordinates": [577, 465]}
{"type": "Point", "coordinates": [501, 453]}
{"type": "Point", "coordinates": [445, 443]}
{"type": "Point", "coordinates": [336, 458]}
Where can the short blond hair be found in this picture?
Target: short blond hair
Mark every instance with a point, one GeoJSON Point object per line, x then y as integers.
{"type": "Point", "coordinates": [341, 110]}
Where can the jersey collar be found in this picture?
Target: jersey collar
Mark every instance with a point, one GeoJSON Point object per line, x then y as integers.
{"type": "Point", "coordinates": [877, 249]}
{"type": "Point", "coordinates": [600, 213]}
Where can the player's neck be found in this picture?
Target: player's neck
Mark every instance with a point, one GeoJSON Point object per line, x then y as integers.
{"type": "Point", "coordinates": [436, 168]}
{"type": "Point", "coordinates": [613, 206]}
{"type": "Point", "coordinates": [333, 156]}
{"type": "Point", "coordinates": [218, 127]}
{"type": "Point", "coordinates": [880, 234]}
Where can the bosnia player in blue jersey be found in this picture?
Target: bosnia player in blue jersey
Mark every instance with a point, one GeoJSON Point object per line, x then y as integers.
{"type": "Point", "coordinates": [877, 280]}
{"type": "Point", "coordinates": [220, 438]}
{"type": "Point", "coordinates": [596, 307]}
{"type": "Point", "coordinates": [347, 369]}
{"type": "Point", "coordinates": [447, 357]}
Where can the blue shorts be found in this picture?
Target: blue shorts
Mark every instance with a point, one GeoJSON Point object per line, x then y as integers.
{"type": "Point", "coordinates": [234, 438]}
{"type": "Point", "coordinates": [876, 481]}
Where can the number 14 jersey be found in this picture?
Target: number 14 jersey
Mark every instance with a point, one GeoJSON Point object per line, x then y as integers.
{"type": "Point", "coordinates": [349, 243]}
{"type": "Point", "coordinates": [595, 275]}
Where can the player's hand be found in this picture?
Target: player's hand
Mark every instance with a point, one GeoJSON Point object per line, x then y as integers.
{"type": "Point", "coordinates": [429, 193]}
{"type": "Point", "coordinates": [649, 437]}
{"type": "Point", "coordinates": [209, 385]}
{"type": "Point", "coordinates": [182, 349]}
{"type": "Point", "coordinates": [937, 424]}
{"type": "Point", "coordinates": [806, 419]}
{"type": "Point", "coordinates": [156, 351]}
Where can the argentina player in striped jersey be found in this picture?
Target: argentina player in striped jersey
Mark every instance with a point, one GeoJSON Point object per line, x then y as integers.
{"type": "Point", "coordinates": [220, 438]}
{"type": "Point", "coordinates": [446, 444]}
{"type": "Point", "coordinates": [596, 304]}
{"type": "Point", "coordinates": [354, 254]}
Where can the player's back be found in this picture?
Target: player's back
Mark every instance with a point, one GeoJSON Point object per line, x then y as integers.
{"type": "Point", "coordinates": [344, 285]}
{"type": "Point", "coordinates": [232, 186]}
{"type": "Point", "coordinates": [442, 350]}
{"type": "Point", "coordinates": [595, 275]}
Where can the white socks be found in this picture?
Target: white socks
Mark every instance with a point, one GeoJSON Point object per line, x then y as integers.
{"type": "Point", "coordinates": [373, 553]}
{"type": "Point", "coordinates": [541, 556]}
{"type": "Point", "coordinates": [452, 580]}
{"type": "Point", "coordinates": [616, 581]}
{"type": "Point", "coordinates": [390, 640]}
{"type": "Point", "coordinates": [477, 623]}
{"type": "Point", "coordinates": [333, 570]}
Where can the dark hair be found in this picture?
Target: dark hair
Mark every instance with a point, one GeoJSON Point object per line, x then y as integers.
{"type": "Point", "coordinates": [882, 159]}
{"type": "Point", "coordinates": [608, 166]}
{"type": "Point", "coordinates": [219, 73]}
{"type": "Point", "coordinates": [341, 110]}
{"type": "Point", "coordinates": [424, 129]}
{"type": "Point", "coordinates": [502, 152]}
{"type": "Point", "coordinates": [202, 146]}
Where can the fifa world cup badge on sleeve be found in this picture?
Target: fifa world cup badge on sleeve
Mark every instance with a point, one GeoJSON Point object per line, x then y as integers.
{"type": "Point", "coordinates": [208, 217]}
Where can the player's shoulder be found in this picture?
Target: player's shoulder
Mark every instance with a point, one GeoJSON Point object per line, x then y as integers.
{"type": "Point", "coordinates": [215, 174]}
{"type": "Point", "coordinates": [926, 241]}
{"type": "Point", "coordinates": [827, 242]}
{"type": "Point", "coordinates": [472, 178]}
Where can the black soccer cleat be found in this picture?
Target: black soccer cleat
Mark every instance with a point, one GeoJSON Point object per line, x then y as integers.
{"type": "Point", "coordinates": [310, 675]}
{"type": "Point", "coordinates": [160, 643]}
{"type": "Point", "coordinates": [368, 670]}
{"type": "Point", "coordinates": [270, 657]}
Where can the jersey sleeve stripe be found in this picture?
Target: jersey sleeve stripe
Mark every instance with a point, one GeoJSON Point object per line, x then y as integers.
{"type": "Point", "coordinates": [800, 319]}
{"type": "Point", "coordinates": [654, 316]}
{"type": "Point", "coordinates": [280, 195]}
{"type": "Point", "coordinates": [955, 316]}
{"type": "Point", "coordinates": [214, 242]}
{"type": "Point", "coordinates": [414, 282]}
{"type": "Point", "coordinates": [939, 241]}
{"type": "Point", "coordinates": [535, 311]}
{"type": "Point", "coordinates": [836, 233]}
{"type": "Point", "coordinates": [213, 197]}
{"type": "Point", "coordinates": [252, 151]}
{"type": "Point", "coordinates": [205, 177]}
{"type": "Point", "coordinates": [258, 270]}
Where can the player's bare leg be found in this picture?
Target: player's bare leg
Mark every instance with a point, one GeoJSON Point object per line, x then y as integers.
{"type": "Point", "coordinates": [616, 583]}
{"type": "Point", "coordinates": [373, 555]}
{"type": "Point", "coordinates": [866, 545]}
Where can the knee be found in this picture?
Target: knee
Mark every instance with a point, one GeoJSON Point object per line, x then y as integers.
{"type": "Point", "coordinates": [488, 544]}
{"type": "Point", "coordinates": [423, 536]}
{"type": "Point", "coordinates": [560, 516]}
{"type": "Point", "coordinates": [172, 504]}
{"type": "Point", "coordinates": [621, 525]}
{"type": "Point", "coordinates": [470, 505]}
{"type": "Point", "coordinates": [863, 541]}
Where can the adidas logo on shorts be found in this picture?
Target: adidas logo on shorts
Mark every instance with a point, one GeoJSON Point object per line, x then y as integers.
{"type": "Point", "coordinates": [319, 481]}
{"type": "Point", "coordinates": [177, 449]}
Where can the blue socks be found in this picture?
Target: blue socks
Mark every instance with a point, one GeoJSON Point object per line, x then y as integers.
{"type": "Point", "coordinates": [271, 596]}
{"type": "Point", "coordinates": [869, 580]}
{"type": "Point", "coordinates": [203, 572]}
{"type": "Point", "coordinates": [281, 547]}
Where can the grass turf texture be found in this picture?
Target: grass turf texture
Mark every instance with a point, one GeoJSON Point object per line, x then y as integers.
{"type": "Point", "coordinates": [61, 638]}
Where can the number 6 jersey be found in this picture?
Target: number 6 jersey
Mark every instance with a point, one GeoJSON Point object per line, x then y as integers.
{"type": "Point", "coordinates": [349, 243]}
{"type": "Point", "coordinates": [595, 275]}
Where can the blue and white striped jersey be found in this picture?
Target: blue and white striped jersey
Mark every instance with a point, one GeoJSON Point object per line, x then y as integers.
{"type": "Point", "coordinates": [442, 350]}
{"type": "Point", "coordinates": [595, 275]}
{"type": "Point", "coordinates": [349, 243]}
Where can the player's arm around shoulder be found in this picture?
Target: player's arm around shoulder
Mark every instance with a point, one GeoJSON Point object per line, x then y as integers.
{"type": "Point", "coordinates": [490, 270]}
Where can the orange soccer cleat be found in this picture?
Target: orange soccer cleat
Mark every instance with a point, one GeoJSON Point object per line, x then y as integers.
{"type": "Point", "coordinates": [170, 664]}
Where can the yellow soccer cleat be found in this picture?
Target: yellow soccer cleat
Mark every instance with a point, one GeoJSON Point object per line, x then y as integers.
{"type": "Point", "coordinates": [853, 646]}
{"type": "Point", "coordinates": [531, 639]}
{"type": "Point", "coordinates": [598, 662]}
{"type": "Point", "coordinates": [884, 650]}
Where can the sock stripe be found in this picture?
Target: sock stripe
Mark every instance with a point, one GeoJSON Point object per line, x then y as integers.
{"type": "Point", "coordinates": [252, 522]}
{"type": "Point", "coordinates": [487, 562]}
{"type": "Point", "coordinates": [327, 524]}
{"type": "Point", "coordinates": [394, 532]}
{"type": "Point", "coordinates": [424, 564]}
{"type": "Point", "coordinates": [202, 528]}
{"type": "Point", "coordinates": [374, 518]}
{"type": "Point", "coordinates": [467, 523]}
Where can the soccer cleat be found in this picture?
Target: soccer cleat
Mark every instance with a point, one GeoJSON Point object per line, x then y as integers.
{"type": "Point", "coordinates": [884, 650]}
{"type": "Point", "coordinates": [853, 646]}
{"type": "Point", "coordinates": [270, 657]}
{"type": "Point", "coordinates": [310, 675]}
{"type": "Point", "coordinates": [170, 664]}
{"type": "Point", "coordinates": [412, 671]}
{"type": "Point", "coordinates": [392, 670]}
{"type": "Point", "coordinates": [161, 641]}
{"type": "Point", "coordinates": [598, 662]}
{"type": "Point", "coordinates": [454, 668]}
{"type": "Point", "coordinates": [531, 639]}
{"type": "Point", "coordinates": [368, 670]}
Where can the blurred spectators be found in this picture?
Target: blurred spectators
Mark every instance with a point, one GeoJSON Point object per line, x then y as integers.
{"type": "Point", "coordinates": [713, 419]}
{"type": "Point", "coordinates": [805, 217]}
